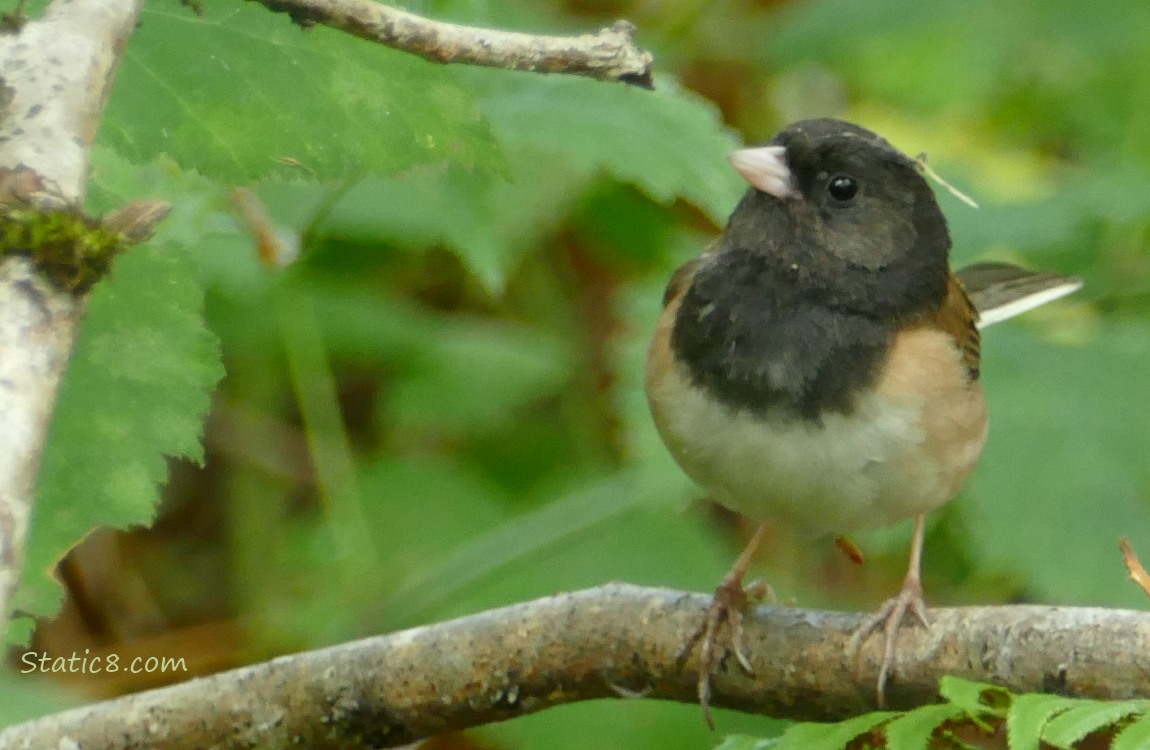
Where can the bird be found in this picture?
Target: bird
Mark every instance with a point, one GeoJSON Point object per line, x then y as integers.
{"type": "Point", "coordinates": [819, 363]}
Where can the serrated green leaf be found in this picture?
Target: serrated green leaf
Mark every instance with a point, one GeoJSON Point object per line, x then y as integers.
{"type": "Point", "coordinates": [810, 736]}
{"type": "Point", "coordinates": [1029, 715]}
{"type": "Point", "coordinates": [1072, 725]}
{"type": "Point", "coordinates": [669, 143]}
{"type": "Point", "coordinates": [241, 93]}
{"type": "Point", "coordinates": [975, 697]}
{"type": "Point", "coordinates": [135, 394]}
{"type": "Point", "coordinates": [560, 135]}
{"type": "Point", "coordinates": [223, 255]}
{"type": "Point", "coordinates": [914, 729]}
{"type": "Point", "coordinates": [490, 223]}
{"type": "Point", "coordinates": [1136, 736]}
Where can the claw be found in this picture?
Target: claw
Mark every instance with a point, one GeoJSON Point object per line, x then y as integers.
{"type": "Point", "coordinates": [890, 618]}
{"type": "Point", "coordinates": [893, 612]}
{"type": "Point", "coordinates": [727, 610]}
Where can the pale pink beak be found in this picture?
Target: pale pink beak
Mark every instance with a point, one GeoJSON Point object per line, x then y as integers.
{"type": "Point", "coordinates": [766, 169]}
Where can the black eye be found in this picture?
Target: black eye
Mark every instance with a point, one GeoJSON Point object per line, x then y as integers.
{"type": "Point", "coordinates": [842, 188]}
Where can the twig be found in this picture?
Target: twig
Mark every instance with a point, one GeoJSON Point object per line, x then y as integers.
{"type": "Point", "coordinates": [920, 160]}
{"type": "Point", "coordinates": [56, 75]}
{"type": "Point", "coordinates": [610, 55]}
{"type": "Point", "coordinates": [603, 642]}
{"type": "Point", "coordinates": [276, 248]}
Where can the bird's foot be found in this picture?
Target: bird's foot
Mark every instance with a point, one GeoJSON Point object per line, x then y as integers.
{"type": "Point", "coordinates": [890, 618]}
{"type": "Point", "coordinates": [725, 614]}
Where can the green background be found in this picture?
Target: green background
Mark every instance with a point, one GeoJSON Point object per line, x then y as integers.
{"type": "Point", "coordinates": [438, 408]}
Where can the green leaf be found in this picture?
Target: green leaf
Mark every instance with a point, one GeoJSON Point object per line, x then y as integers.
{"type": "Point", "coordinates": [976, 698]}
{"type": "Point", "coordinates": [669, 143]}
{"type": "Point", "coordinates": [810, 736]}
{"type": "Point", "coordinates": [490, 223]}
{"type": "Point", "coordinates": [1134, 737]}
{"type": "Point", "coordinates": [1029, 715]}
{"type": "Point", "coordinates": [202, 218]}
{"type": "Point", "coordinates": [1072, 725]}
{"type": "Point", "coordinates": [135, 394]}
{"type": "Point", "coordinates": [561, 135]}
{"type": "Point", "coordinates": [914, 729]}
{"type": "Point", "coordinates": [242, 93]}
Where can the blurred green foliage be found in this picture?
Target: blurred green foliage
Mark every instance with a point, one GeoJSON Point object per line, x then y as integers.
{"type": "Point", "coordinates": [970, 715]}
{"type": "Point", "coordinates": [459, 348]}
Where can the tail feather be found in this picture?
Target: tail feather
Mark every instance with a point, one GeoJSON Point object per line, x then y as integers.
{"type": "Point", "coordinates": [1001, 291]}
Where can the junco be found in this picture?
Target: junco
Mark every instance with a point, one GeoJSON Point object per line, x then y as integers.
{"type": "Point", "coordinates": [819, 363]}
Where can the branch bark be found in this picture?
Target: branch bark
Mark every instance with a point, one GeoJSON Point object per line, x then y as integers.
{"type": "Point", "coordinates": [613, 641]}
{"type": "Point", "coordinates": [57, 72]}
{"type": "Point", "coordinates": [610, 55]}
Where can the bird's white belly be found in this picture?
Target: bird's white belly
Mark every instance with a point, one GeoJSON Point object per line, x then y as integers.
{"type": "Point", "coordinates": [841, 475]}
{"type": "Point", "coordinates": [902, 451]}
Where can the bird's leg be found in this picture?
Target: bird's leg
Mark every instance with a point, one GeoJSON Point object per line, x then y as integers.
{"type": "Point", "coordinates": [893, 612]}
{"type": "Point", "coordinates": [727, 609]}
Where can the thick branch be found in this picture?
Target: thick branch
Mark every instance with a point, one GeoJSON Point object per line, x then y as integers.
{"type": "Point", "coordinates": [616, 640]}
{"type": "Point", "coordinates": [37, 324]}
{"type": "Point", "coordinates": [56, 73]}
{"type": "Point", "coordinates": [610, 55]}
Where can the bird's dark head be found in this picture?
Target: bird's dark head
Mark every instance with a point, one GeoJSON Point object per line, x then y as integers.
{"type": "Point", "coordinates": [843, 212]}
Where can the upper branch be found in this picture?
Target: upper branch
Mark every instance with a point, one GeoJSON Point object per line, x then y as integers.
{"type": "Point", "coordinates": [610, 55]}
{"type": "Point", "coordinates": [616, 640]}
